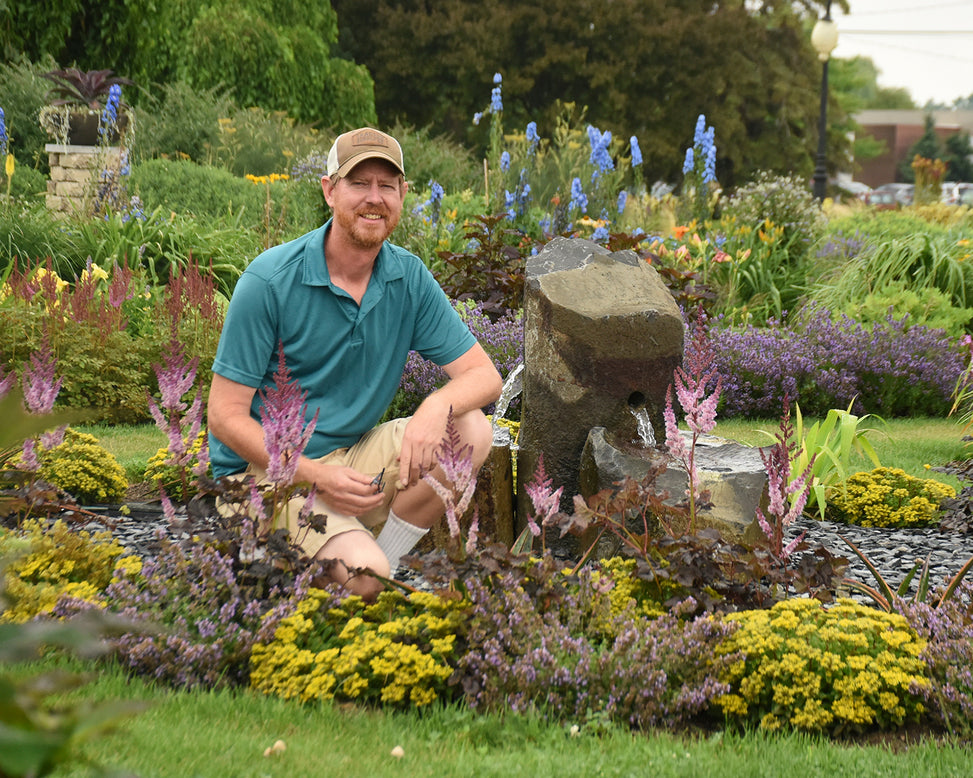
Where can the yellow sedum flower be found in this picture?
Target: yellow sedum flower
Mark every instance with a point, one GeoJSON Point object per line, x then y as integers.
{"type": "Point", "coordinates": [818, 669]}
{"type": "Point", "coordinates": [396, 651]}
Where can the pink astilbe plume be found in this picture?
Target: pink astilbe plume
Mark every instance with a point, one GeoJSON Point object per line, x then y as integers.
{"type": "Point", "coordinates": [691, 384]}
{"type": "Point", "coordinates": [456, 461]}
{"type": "Point", "coordinates": [545, 499]}
{"type": "Point", "coordinates": [181, 422]}
{"type": "Point", "coordinates": [40, 386]}
{"type": "Point", "coordinates": [282, 415]}
{"type": "Point", "coordinates": [777, 463]}
{"type": "Point", "coordinates": [7, 381]}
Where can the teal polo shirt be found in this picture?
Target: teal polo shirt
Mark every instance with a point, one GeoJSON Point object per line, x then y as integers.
{"type": "Point", "coordinates": [348, 358]}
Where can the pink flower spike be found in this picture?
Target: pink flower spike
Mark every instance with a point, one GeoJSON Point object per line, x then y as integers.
{"type": "Point", "coordinates": [40, 387]}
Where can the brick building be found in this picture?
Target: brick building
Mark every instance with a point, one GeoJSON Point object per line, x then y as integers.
{"type": "Point", "coordinates": [900, 130]}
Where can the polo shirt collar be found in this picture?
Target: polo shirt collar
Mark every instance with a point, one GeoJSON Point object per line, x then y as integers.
{"type": "Point", "coordinates": [388, 266]}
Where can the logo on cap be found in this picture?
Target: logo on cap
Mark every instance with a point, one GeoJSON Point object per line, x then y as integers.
{"type": "Point", "coordinates": [369, 137]}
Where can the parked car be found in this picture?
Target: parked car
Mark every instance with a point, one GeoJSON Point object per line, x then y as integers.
{"type": "Point", "coordinates": [855, 189]}
{"type": "Point", "coordinates": [882, 201]}
{"type": "Point", "coordinates": [950, 193]}
{"type": "Point", "coordinates": [964, 194]}
{"type": "Point", "coordinates": [903, 193]}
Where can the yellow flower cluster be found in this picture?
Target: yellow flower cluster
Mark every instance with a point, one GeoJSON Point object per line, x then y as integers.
{"type": "Point", "coordinates": [823, 669]}
{"type": "Point", "coordinates": [630, 592]}
{"type": "Point", "coordinates": [888, 497]}
{"type": "Point", "coordinates": [163, 474]}
{"type": "Point", "coordinates": [273, 178]}
{"type": "Point", "coordinates": [56, 561]}
{"type": "Point", "coordinates": [395, 651]}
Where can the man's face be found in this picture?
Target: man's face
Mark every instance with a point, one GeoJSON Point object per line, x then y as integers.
{"type": "Point", "coordinates": [367, 203]}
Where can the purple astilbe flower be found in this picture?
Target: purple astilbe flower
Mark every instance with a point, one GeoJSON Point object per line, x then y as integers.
{"type": "Point", "coordinates": [456, 461]}
{"type": "Point", "coordinates": [40, 386]}
{"type": "Point", "coordinates": [545, 499]}
{"type": "Point", "coordinates": [181, 422]}
{"type": "Point", "coordinates": [691, 384]}
{"type": "Point", "coordinates": [28, 462]}
{"type": "Point", "coordinates": [168, 508]}
{"type": "Point", "coordinates": [7, 380]}
{"type": "Point", "coordinates": [780, 487]}
{"type": "Point", "coordinates": [53, 438]}
{"type": "Point", "coordinates": [282, 414]}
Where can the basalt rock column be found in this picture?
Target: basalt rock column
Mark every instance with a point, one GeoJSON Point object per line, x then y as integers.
{"type": "Point", "coordinates": [602, 336]}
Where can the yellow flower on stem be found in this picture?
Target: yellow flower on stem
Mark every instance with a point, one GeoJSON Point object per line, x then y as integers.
{"type": "Point", "coordinates": [9, 166]}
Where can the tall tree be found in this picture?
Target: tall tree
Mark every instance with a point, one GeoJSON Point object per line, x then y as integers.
{"type": "Point", "coordinates": [641, 67]}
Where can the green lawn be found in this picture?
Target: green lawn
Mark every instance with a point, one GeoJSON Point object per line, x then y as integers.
{"type": "Point", "coordinates": [220, 734]}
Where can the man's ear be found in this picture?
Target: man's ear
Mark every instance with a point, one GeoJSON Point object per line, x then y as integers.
{"type": "Point", "coordinates": [327, 187]}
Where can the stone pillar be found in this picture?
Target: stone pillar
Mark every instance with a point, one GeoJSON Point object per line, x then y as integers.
{"type": "Point", "coordinates": [602, 337]}
{"type": "Point", "coordinates": [75, 171]}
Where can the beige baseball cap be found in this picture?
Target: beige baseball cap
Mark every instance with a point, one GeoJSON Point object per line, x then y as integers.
{"type": "Point", "coordinates": [356, 146]}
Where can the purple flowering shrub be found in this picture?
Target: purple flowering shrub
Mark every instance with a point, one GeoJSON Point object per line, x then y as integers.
{"type": "Point", "coordinates": [889, 369]}
{"type": "Point", "coordinates": [948, 654]}
{"type": "Point", "coordinates": [502, 338]}
{"type": "Point", "coordinates": [529, 652]}
{"type": "Point", "coordinates": [198, 617]}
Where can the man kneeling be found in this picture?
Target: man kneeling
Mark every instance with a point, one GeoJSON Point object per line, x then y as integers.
{"type": "Point", "coordinates": [346, 307]}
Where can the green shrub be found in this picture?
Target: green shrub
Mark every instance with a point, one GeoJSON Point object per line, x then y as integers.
{"type": "Point", "coordinates": [29, 233]}
{"type": "Point", "coordinates": [259, 142]}
{"type": "Point", "coordinates": [397, 651]}
{"type": "Point", "coordinates": [28, 183]}
{"type": "Point", "coordinates": [22, 95]}
{"type": "Point", "coordinates": [184, 122]}
{"type": "Point", "coordinates": [192, 190]}
{"type": "Point", "coordinates": [926, 306]}
{"type": "Point", "coordinates": [921, 260]}
{"type": "Point", "coordinates": [785, 201]}
{"type": "Point", "coordinates": [839, 669]}
{"type": "Point", "coordinates": [437, 158]}
{"type": "Point", "coordinates": [888, 497]}
{"type": "Point", "coordinates": [879, 226]}
{"type": "Point", "coordinates": [55, 561]}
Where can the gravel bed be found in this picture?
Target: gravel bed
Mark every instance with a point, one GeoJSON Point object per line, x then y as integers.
{"type": "Point", "coordinates": [892, 551]}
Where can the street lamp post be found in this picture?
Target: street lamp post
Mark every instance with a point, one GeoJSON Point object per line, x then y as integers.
{"type": "Point", "coordinates": [824, 37]}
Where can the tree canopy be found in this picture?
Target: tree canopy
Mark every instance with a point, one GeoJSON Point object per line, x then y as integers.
{"type": "Point", "coordinates": [271, 53]}
{"type": "Point", "coordinates": [640, 67]}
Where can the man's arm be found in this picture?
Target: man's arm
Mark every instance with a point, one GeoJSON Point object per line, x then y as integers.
{"type": "Point", "coordinates": [473, 383]}
{"type": "Point", "coordinates": [229, 419]}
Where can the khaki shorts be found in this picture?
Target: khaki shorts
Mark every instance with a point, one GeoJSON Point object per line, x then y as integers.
{"type": "Point", "coordinates": [379, 448]}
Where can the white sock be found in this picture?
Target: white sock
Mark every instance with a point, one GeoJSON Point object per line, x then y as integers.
{"type": "Point", "coordinates": [398, 538]}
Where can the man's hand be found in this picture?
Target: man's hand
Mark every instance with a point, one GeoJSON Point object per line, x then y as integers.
{"type": "Point", "coordinates": [346, 490]}
{"type": "Point", "coordinates": [423, 436]}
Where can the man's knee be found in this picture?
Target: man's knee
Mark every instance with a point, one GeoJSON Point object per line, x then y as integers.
{"type": "Point", "coordinates": [475, 430]}
{"type": "Point", "coordinates": [355, 550]}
